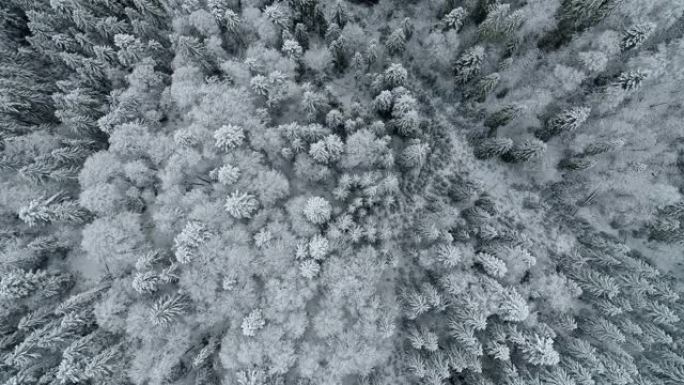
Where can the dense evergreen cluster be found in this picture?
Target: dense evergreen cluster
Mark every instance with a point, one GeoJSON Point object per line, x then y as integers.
{"type": "Point", "coordinates": [330, 192]}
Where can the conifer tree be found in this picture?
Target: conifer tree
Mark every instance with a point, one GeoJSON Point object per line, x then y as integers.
{"type": "Point", "coordinates": [229, 137]}
{"type": "Point", "coordinates": [228, 174]}
{"type": "Point", "coordinates": [454, 19]}
{"type": "Point", "coordinates": [52, 209]}
{"type": "Point", "coordinates": [540, 351]}
{"type": "Point", "coordinates": [525, 151]}
{"type": "Point", "coordinates": [252, 323]}
{"type": "Point", "coordinates": [395, 75]}
{"type": "Point", "coordinates": [396, 41]}
{"type": "Point", "coordinates": [469, 64]}
{"type": "Point", "coordinates": [584, 13]}
{"type": "Point", "coordinates": [636, 35]}
{"type": "Point", "coordinates": [309, 268]}
{"type": "Point", "coordinates": [630, 81]}
{"type": "Point", "coordinates": [503, 116]}
{"type": "Point", "coordinates": [317, 210]}
{"type": "Point", "coordinates": [241, 205]}
{"type": "Point", "coordinates": [193, 236]}
{"type": "Point", "coordinates": [566, 121]}
{"type": "Point", "coordinates": [500, 22]}
{"type": "Point", "coordinates": [167, 309]}
{"type": "Point", "coordinates": [491, 147]}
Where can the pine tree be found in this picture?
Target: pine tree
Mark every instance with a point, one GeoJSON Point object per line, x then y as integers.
{"type": "Point", "coordinates": [52, 209]}
{"type": "Point", "coordinates": [469, 64]}
{"type": "Point", "coordinates": [396, 41]}
{"type": "Point", "coordinates": [105, 364]}
{"type": "Point", "coordinates": [415, 304]}
{"type": "Point", "coordinates": [576, 164]}
{"type": "Point", "coordinates": [18, 284]}
{"type": "Point", "coordinates": [217, 7]}
{"type": "Point", "coordinates": [406, 117]}
{"type": "Point", "coordinates": [661, 314]}
{"type": "Point", "coordinates": [513, 306]}
{"type": "Point", "coordinates": [228, 174]}
{"type": "Point", "coordinates": [317, 210]}
{"type": "Point", "coordinates": [339, 48]}
{"type": "Point", "coordinates": [499, 22]}
{"type": "Point", "coordinates": [334, 147]}
{"type": "Point", "coordinates": [146, 282]}
{"type": "Point", "coordinates": [309, 268]}
{"type": "Point", "coordinates": [596, 283]}
{"type": "Point", "coordinates": [383, 102]}
{"type": "Point", "coordinates": [566, 121]}
{"type": "Point", "coordinates": [416, 338]}
{"type": "Point", "coordinates": [318, 247]}
{"type": "Point", "coordinates": [581, 350]}
{"type": "Point", "coordinates": [437, 370]}
{"type": "Point", "coordinates": [415, 154]}
{"type": "Point", "coordinates": [491, 147]}
{"type": "Point", "coordinates": [498, 350]}
{"type": "Point", "coordinates": [231, 21]}
{"type": "Point", "coordinates": [395, 75]}
{"type": "Point", "coordinates": [454, 19]}
{"type": "Point", "coordinates": [603, 146]}
{"type": "Point", "coordinates": [470, 314]}
{"type": "Point", "coordinates": [604, 331]}
{"type": "Point", "coordinates": [81, 301]}
{"type": "Point", "coordinates": [193, 236]}
{"type": "Point", "coordinates": [340, 14]}
{"type": "Point", "coordinates": [607, 307]}
{"type": "Point", "coordinates": [229, 137]}
{"type": "Point", "coordinates": [503, 116]}
{"type": "Point", "coordinates": [167, 309]}
{"type": "Point", "coordinates": [484, 87]}
{"type": "Point", "coordinates": [292, 49]}
{"type": "Point", "coordinates": [539, 351]}
{"type": "Point", "coordinates": [630, 81]}
{"type": "Point", "coordinates": [252, 323]}
{"type": "Point", "coordinates": [449, 256]}
{"type": "Point", "coordinates": [278, 15]}
{"type": "Point", "coordinates": [205, 353]}
{"type": "Point", "coordinates": [318, 152]}
{"type": "Point", "coordinates": [636, 35]}
{"type": "Point", "coordinates": [556, 375]}
{"type": "Point", "coordinates": [466, 337]}
{"type": "Point", "coordinates": [584, 13]}
{"type": "Point", "coordinates": [241, 205]}
{"type": "Point", "coordinates": [416, 365]}
{"type": "Point", "coordinates": [492, 265]}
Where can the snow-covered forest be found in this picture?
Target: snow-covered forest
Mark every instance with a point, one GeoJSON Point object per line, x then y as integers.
{"type": "Point", "coordinates": [341, 192]}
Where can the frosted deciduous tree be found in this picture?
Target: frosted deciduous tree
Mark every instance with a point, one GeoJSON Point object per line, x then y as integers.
{"type": "Point", "coordinates": [114, 241]}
